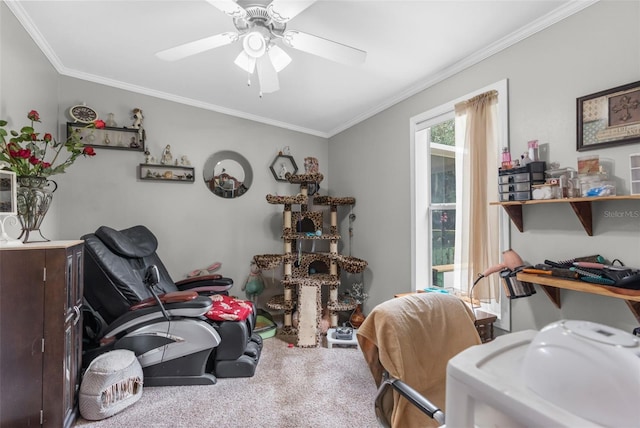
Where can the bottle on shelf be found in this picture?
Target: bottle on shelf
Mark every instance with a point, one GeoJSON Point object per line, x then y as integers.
{"type": "Point", "coordinates": [506, 158]}
{"type": "Point", "coordinates": [533, 151]}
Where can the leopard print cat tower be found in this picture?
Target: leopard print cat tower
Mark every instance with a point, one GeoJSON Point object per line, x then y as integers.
{"type": "Point", "coordinates": [307, 272]}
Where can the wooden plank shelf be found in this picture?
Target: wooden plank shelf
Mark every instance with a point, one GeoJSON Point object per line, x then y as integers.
{"type": "Point", "coordinates": [552, 285]}
{"type": "Point", "coordinates": [581, 207]}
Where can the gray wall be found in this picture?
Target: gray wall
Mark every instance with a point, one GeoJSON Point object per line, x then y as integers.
{"type": "Point", "coordinates": [596, 49]}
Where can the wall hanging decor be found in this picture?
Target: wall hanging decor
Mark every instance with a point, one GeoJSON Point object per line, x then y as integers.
{"type": "Point", "coordinates": [609, 118]}
{"type": "Point", "coordinates": [228, 174]}
{"type": "Point", "coordinates": [282, 165]}
{"type": "Point", "coordinates": [108, 137]}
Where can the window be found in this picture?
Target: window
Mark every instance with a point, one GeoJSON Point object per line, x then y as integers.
{"type": "Point", "coordinates": [437, 155]}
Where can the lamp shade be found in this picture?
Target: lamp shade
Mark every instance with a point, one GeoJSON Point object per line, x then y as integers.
{"type": "Point", "coordinates": [279, 58]}
{"type": "Point", "coordinates": [245, 62]}
{"type": "Point", "coordinates": [254, 44]}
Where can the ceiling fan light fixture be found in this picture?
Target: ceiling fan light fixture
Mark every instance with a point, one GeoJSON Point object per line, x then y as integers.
{"type": "Point", "coordinates": [279, 58]}
{"type": "Point", "coordinates": [245, 62]}
{"type": "Point", "coordinates": [254, 44]}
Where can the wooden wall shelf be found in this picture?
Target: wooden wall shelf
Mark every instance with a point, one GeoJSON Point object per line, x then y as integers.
{"type": "Point", "coordinates": [552, 285]}
{"type": "Point", "coordinates": [581, 206]}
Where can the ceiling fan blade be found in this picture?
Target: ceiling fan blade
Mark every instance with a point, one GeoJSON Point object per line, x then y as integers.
{"type": "Point", "coordinates": [328, 49]}
{"type": "Point", "coordinates": [230, 7]}
{"type": "Point", "coordinates": [267, 75]}
{"type": "Point", "coordinates": [284, 10]}
{"type": "Point", "coordinates": [198, 46]}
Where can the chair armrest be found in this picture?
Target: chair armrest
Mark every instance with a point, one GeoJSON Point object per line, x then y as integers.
{"type": "Point", "coordinates": [215, 283]}
{"type": "Point", "coordinates": [173, 297]}
{"type": "Point", "coordinates": [200, 278]}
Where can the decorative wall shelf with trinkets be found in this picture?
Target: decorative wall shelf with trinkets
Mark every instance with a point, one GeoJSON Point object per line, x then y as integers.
{"type": "Point", "coordinates": [283, 165]}
{"type": "Point", "coordinates": [109, 137]}
{"type": "Point", "coordinates": [161, 172]}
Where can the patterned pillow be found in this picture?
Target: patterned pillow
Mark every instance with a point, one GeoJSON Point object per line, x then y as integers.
{"type": "Point", "coordinates": [227, 308]}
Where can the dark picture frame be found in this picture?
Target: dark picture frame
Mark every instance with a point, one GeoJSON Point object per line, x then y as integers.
{"type": "Point", "coordinates": [609, 118]}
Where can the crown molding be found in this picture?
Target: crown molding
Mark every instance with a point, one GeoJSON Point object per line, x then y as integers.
{"type": "Point", "coordinates": [557, 15]}
{"type": "Point", "coordinates": [189, 101]}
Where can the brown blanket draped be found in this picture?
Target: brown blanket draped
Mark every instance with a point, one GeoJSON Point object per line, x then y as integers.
{"type": "Point", "coordinates": [413, 337]}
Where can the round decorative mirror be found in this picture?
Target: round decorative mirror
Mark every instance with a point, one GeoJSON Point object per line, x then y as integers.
{"type": "Point", "coordinates": [227, 174]}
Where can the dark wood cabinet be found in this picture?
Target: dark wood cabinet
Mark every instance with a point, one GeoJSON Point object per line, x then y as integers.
{"type": "Point", "coordinates": [41, 289]}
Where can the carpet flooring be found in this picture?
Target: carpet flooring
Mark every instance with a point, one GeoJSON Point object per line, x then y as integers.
{"type": "Point", "coordinates": [292, 388]}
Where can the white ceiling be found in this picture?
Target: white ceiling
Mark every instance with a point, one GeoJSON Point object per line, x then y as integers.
{"type": "Point", "coordinates": [410, 45]}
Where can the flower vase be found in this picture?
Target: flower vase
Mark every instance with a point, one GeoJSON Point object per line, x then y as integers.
{"type": "Point", "coordinates": [33, 197]}
{"type": "Point", "coordinates": [357, 317]}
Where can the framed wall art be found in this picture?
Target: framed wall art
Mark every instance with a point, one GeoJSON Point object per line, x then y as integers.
{"type": "Point", "coordinates": [609, 118]}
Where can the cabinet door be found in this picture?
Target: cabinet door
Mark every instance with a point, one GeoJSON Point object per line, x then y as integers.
{"type": "Point", "coordinates": [21, 337]}
{"type": "Point", "coordinates": [73, 333]}
{"type": "Point", "coordinates": [63, 335]}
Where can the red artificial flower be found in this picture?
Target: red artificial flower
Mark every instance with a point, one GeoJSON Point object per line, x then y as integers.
{"type": "Point", "coordinates": [13, 149]}
{"type": "Point", "coordinates": [34, 115]}
{"type": "Point", "coordinates": [24, 153]}
{"type": "Point", "coordinates": [25, 150]}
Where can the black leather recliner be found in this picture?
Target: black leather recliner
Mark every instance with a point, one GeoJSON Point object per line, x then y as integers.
{"type": "Point", "coordinates": [114, 276]}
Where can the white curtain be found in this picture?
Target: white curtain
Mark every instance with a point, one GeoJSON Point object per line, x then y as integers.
{"type": "Point", "coordinates": [477, 225]}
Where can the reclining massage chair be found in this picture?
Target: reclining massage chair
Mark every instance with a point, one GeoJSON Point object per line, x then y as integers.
{"type": "Point", "coordinates": [186, 332]}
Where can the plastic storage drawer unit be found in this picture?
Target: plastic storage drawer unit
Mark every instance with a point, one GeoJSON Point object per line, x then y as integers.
{"type": "Point", "coordinates": [515, 184]}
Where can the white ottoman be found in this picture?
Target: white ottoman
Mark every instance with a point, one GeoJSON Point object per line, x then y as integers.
{"type": "Point", "coordinates": [112, 382]}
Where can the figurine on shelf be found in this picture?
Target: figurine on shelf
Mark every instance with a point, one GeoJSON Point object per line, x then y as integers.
{"type": "Point", "coordinates": [167, 157]}
{"type": "Point", "coordinates": [283, 171]}
{"type": "Point", "coordinates": [137, 118]}
{"type": "Point", "coordinates": [111, 121]}
{"type": "Point", "coordinates": [311, 165]}
{"type": "Point", "coordinates": [184, 161]}
{"type": "Point", "coordinates": [147, 157]}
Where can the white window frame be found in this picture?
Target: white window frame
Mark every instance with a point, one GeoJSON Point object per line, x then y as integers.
{"type": "Point", "coordinates": [420, 167]}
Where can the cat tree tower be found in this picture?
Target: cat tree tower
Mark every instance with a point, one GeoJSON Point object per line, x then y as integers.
{"type": "Point", "coordinates": [307, 272]}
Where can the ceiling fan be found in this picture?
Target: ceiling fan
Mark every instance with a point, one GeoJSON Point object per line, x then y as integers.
{"type": "Point", "coordinates": [260, 26]}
